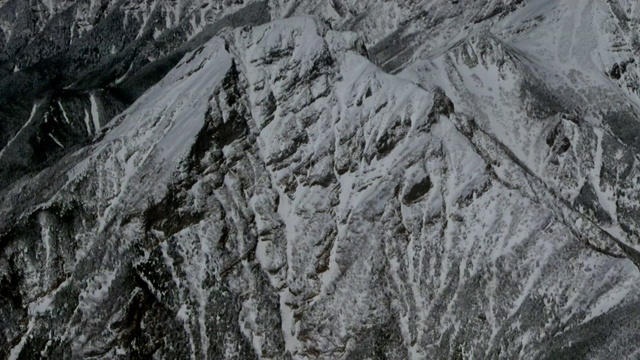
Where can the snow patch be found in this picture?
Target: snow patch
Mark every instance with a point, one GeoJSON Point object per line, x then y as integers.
{"type": "Point", "coordinates": [31, 118]}
{"type": "Point", "coordinates": [95, 113]}
{"type": "Point", "coordinates": [56, 140]}
{"type": "Point", "coordinates": [15, 352]}
{"type": "Point", "coordinates": [87, 122]}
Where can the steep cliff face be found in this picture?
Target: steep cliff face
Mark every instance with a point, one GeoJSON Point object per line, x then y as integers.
{"type": "Point", "coordinates": [84, 61]}
{"type": "Point", "coordinates": [448, 180]}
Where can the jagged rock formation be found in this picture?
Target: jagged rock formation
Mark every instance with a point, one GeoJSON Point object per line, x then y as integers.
{"type": "Point", "coordinates": [69, 67]}
{"type": "Point", "coordinates": [401, 180]}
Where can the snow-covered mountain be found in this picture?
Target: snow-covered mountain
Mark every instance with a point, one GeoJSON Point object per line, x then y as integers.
{"type": "Point", "coordinates": [293, 179]}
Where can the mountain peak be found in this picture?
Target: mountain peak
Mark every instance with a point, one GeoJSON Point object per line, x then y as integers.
{"type": "Point", "coordinates": [289, 179]}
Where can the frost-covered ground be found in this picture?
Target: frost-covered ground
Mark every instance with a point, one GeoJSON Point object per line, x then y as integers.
{"type": "Point", "coordinates": [402, 180]}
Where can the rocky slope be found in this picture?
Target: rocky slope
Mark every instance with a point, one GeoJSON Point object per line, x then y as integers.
{"type": "Point", "coordinates": [68, 67]}
{"type": "Point", "coordinates": [402, 180]}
